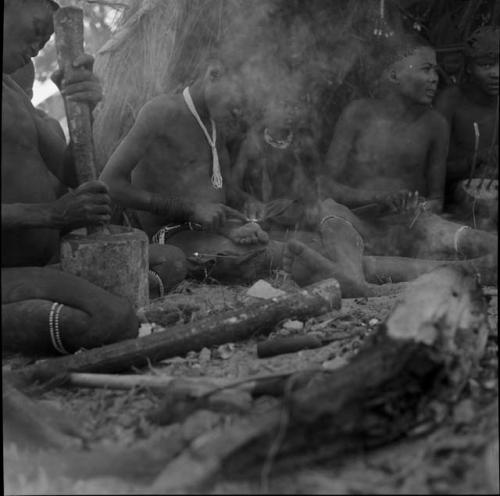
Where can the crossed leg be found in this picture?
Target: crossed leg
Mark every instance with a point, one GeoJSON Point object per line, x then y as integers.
{"type": "Point", "coordinates": [341, 254]}
{"type": "Point", "coordinates": [36, 299]}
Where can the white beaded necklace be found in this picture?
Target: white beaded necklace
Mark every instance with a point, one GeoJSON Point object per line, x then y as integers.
{"type": "Point", "coordinates": [212, 141]}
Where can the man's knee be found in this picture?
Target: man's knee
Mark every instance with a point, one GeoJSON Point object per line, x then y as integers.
{"type": "Point", "coordinates": [169, 264]}
{"type": "Point", "coordinates": [115, 321]}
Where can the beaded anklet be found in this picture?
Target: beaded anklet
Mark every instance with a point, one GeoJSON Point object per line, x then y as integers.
{"type": "Point", "coordinates": [157, 278]}
{"type": "Point", "coordinates": [54, 329]}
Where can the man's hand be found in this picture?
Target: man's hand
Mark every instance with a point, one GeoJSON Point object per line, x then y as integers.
{"type": "Point", "coordinates": [83, 86]}
{"type": "Point", "coordinates": [254, 210]}
{"type": "Point", "coordinates": [400, 201]}
{"type": "Point", "coordinates": [88, 205]}
{"type": "Point", "coordinates": [213, 216]}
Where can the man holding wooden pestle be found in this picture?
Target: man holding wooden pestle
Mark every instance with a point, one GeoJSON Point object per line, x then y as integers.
{"type": "Point", "coordinates": [43, 309]}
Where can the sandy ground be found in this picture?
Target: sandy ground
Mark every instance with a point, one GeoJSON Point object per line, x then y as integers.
{"type": "Point", "coordinates": [455, 459]}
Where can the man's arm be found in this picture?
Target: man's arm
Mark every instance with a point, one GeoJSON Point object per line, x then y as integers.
{"type": "Point", "coordinates": [458, 159]}
{"type": "Point", "coordinates": [22, 216]}
{"type": "Point", "coordinates": [85, 206]}
{"type": "Point", "coordinates": [336, 162]}
{"type": "Point", "coordinates": [236, 197]}
{"type": "Point", "coordinates": [117, 173]}
{"type": "Point", "coordinates": [56, 154]}
{"type": "Point", "coordinates": [436, 164]}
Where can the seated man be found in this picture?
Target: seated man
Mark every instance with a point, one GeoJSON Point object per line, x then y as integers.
{"type": "Point", "coordinates": [278, 164]}
{"type": "Point", "coordinates": [472, 112]}
{"type": "Point", "coordinates": [387, 153]}
{"type": "Point", "coordinates": [45, 310]}
{"type": "Point", "coordinates": [171, 173]}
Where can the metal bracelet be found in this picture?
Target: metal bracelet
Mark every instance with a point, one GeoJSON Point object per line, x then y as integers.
{"type": "Point", "coordinates": [457, 237]}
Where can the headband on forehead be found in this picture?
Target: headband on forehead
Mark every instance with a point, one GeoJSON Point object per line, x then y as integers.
{"type": "Point", "coordinates": [483, 43]}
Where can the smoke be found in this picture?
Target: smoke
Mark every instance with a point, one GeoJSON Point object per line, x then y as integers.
{"type": "Point", "coordinates": [315, 53]}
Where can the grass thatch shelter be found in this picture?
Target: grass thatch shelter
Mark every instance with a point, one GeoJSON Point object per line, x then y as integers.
{"type": "Point", "coordinates": [320, 51]}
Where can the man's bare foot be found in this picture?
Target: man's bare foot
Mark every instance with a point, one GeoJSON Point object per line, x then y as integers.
{"type": "Point", "coordinates": [307, 266]}
{"type": "Point", "coordinates": [248, 234]}
{"type": "Point", "coordinates": [343, 244]}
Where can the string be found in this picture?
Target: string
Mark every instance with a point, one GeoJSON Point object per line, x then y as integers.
{"type": "Point", "coordinates": [217, 181]}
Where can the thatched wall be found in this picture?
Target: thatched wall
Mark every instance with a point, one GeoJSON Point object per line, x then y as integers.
{"type": "Point", "coordinates": [318, 51]}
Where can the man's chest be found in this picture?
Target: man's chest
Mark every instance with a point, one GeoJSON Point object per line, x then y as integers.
{"type": "Point", "coordinates": [18, 123]}
{"type": "Point", "coordinates": [464, 129]}
{"type": "Point", "coordinates": [394, 142]}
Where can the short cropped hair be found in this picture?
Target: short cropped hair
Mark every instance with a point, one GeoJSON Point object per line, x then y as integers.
{"type": "Point", "coordinates": [483, 42]}
{"type": "Point", "coordinates": [398, 48]}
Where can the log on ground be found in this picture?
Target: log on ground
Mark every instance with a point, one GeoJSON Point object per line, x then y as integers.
{"type": "Point", "coordinates": [230, 326]}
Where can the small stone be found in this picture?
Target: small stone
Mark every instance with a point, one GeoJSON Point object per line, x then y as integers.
{"type": "Point", "coordinates": [335, 364]}
{"type": "Point", "coordinates": [263, 290]}
{"type": "Point", "coordinates": [145, 330]}
{"type": "Point", "coordinates": [293, 325]}
{"type": "Point", "coordinates": [373, 322]}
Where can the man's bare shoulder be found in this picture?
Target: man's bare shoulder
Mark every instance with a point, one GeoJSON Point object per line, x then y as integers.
{"type": "Point", "coordinates": [162, 109]}
{"type": "Point", "coordinates": [361, 108]}
{"type": "Point", "coordinates": [435, 119]}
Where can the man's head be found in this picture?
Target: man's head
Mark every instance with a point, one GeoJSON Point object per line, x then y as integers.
{"type": "Point", "coordinates": [224, 96]}
{"type": "Point", "coordinates": [481, 55]}
{"type": "Point", "coordinates": [27, 26]}
{"type": "Point", "coordinates": [25, 78]}
{"type": "Point", "coordinates": [412, 70]}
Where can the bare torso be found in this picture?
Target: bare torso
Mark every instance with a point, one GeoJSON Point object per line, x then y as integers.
{"type": "Point", "coordinates": [272, 173]}
{"type": "Point", "coordinates": [178, 163]}
{"type": "Point", "coordinates": [388, 154]}
{"type": "Point", "coordinates": [25, 179]}
{"type": "Point", "coordinates": [464, 112]}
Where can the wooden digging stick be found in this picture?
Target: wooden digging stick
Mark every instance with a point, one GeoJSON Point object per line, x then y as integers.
{"type": "Point", "coordinates": [230, 326]}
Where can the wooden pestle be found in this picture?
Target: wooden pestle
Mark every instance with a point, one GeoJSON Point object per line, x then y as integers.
{"type": "Point", "coordinates": [68, 28]}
